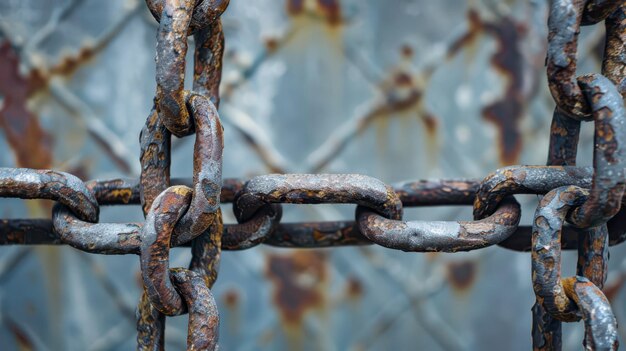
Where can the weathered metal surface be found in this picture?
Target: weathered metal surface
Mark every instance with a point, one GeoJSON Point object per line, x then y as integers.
{"type": "Point", "coordinates": [25, 183]}
{"type": "Point", "coordinates": [324, 300]}
{"type": "Point", "coordinates": [425, 236]}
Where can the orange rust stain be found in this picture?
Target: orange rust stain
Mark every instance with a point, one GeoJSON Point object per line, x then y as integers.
{"type": "Point", "coordinates": [123, 194]}
{"type": "Point", "coordinates": [69, 64]}
{"type": "Point", "coordinates": [508, 60]}
{"type": "Point", "coordinates": [23, 341]}
{"type": "Point", "coordinates": [404, 92]}
{"type": "Point", "coordinates": [328, 10]}
{"type": "Point", "coordinates": [300, 280]}
{"type": "Point", "coordinates": [475, 28]}
{"type": "Point", "coordinates": [295, 7]}
{"type": "Point", "coordinates": [30, 143]}
{"type": "Point", "coordinates": [507, 113]}
{"type": "Point", "coordinates": [331, 10]}
{"type": "Point", "coordinates": [432, 256]}
{"type": "Point", "coordinates": [271, 44]}
{"type": "Point", "coordinates": [354, 288]}
{"type": "Point", "coordinates": [462, 275]}
{"type": "Point", "coordinates": [431, 124]}
{"type": "Point", "coordinates": [231, 298]}
{"type": "Point", "coordinates": [407, 51]}
{"type": "Point", "coordinates": [403, 79]}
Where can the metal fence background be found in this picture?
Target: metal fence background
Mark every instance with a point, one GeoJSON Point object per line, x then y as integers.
{"type": "Point", "coordinates": [399, 90]}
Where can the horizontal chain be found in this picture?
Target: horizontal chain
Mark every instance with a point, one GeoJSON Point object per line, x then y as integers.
{"type": "Point", "coordinates": [123, 238]}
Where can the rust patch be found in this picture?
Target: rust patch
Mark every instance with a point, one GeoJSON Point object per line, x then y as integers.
{"type": "Point", "coordinates": [331, 10]}
{"type": "Point", "coordinates": [407, 51]}
{"type": "Point", "coordinates": [328, 10]}
{"type": "Point", "coordinates": [231, 298]}
{"type": "Point", "coordinates": [21, 337]}
{"type": "Point", "coordinates": [70, 63]}
{"type": "Point", "coordinates": [403, 79]}
{"type": "Point", "coordinates": [354, 288]}
{"type": "Point", "coordinates": [404, 92]}
{"type": "Point", "coordinates": [29, 142]}
{"type": "Point", "coordinates": [431, 124]}
{"type": "Point", "coordinates": [300, 280]}
{"type": "Point", "coordinates": [271, 44]}
{"type": "Point", "coordinates": [507, 112]}
{"type": "Point", "coordinates": [462, 275]}
{"type": "Point", "coordinates": [295, 7]}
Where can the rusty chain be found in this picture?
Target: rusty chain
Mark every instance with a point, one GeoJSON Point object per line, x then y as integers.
{"type": "Point", "coordinates": [580, 208]}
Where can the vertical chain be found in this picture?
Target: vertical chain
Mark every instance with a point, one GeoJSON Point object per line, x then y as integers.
{"type": "Point", "coordinates": [180, 112]}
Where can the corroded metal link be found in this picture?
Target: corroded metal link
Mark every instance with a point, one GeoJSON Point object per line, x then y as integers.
{"type": "Point", "coordinates": [202, 330]}
{"type": "Point", "coordinates": [209, 51]}
{"type": "Point", "coordinates": [171, 97]}
{"type": "Point", "coordinates": [125, 239]}
{"type": "Point", "coordinates": [593, 255]}
{"type": "Point", "coordinates": [27, 183]}
{"type": "Point", "coordinates": [546, 250]}
{"type": "Point", "coordinates": [176, 291]}
{"type": "Point", "coordinates": [440, 236]}
{"type": "Point", "coordinates": [256, 211]}
{"type": "Point", "coordinates": [564, 26]}
{"type": "Point", "coordinates": [600, 323]}
{"type": "Point", "coordinates": [205, 12]}
{"type": "Point", "coordinates": [525, 180]}
{"type": "Point", "coordinates": [614, 62]}
{"type": "Point", "coordinates": [154, 141]}
{"type": "Point", "coordinates": [127, 192]}
{"type": "Point", "coordinates": [592, 247]}
{"type": "Point", "coordinates": [156, 235]}
{"type": "Point", "coordinates": [206, 251]}
{"type": "Point", "coordinates": [564, 135]}
{"type": "Point", "coordinates": [28, 232]}
{"type": "Point", "coordinates": [171, 50]}
{"type": "Point", "coordinates": [207, 166]}
{"type": "Point", "coordinates": [566, 17]}
{"type": "Point", "coordinates": [102, 238]}
{"type": "Point", "coordinates": [295, 235]}
{"type": "Point", "coordinates": [150, 326]}
{"type": "Point", "coordinates": [316, 189]}
{"type": "Point", "coordinates": [115, 191]}
{"type": "Point", "coordinates": [598, 10]}
{"type": "Point", "coordinates": [546, 331]}
{"type": "Point", "coordinates": [207, 171]}
{"type": "Point", "coordinates": [317, 234]}
{"type": "Point", "coordinates": [444, 192]}
{"type": "Point", "coordinates": [609, 158]}
{"type": "Point", "coordinates": [254, 230]}
{"type": "Point", "coordinates": [155, 158]}
{"type": "Point", "coordinates": [569, 299]}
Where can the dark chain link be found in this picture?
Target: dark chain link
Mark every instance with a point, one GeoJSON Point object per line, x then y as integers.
{"type": "Point", "coordinates": [188, 213]}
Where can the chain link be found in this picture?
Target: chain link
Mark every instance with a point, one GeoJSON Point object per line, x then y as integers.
{"type": "Point", "coordinates": [186, 212]}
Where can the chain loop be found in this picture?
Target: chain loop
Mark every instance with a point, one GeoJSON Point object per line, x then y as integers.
{"type": "Point", "coordinates": [440, 236]}
{"type": "Point", "coordinates": [609, 158]}
{"type": "Point", "coordinates": [205, 12]}
{"type": "Point", "coordinates": [26, 183]}
{"type": "Point", "coordinates": [171, 97]}
{"type": "Point", "coordinates": [207, 179]}
{"type": "Point", "coordinates": [598, 10]}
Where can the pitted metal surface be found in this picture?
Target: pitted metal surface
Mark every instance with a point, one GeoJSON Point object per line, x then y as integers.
{"type": "Point", "coordinates": [579, 207]}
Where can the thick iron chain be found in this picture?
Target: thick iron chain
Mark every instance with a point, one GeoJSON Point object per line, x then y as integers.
{"type": "Point", "coordinates": [186, 212]}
